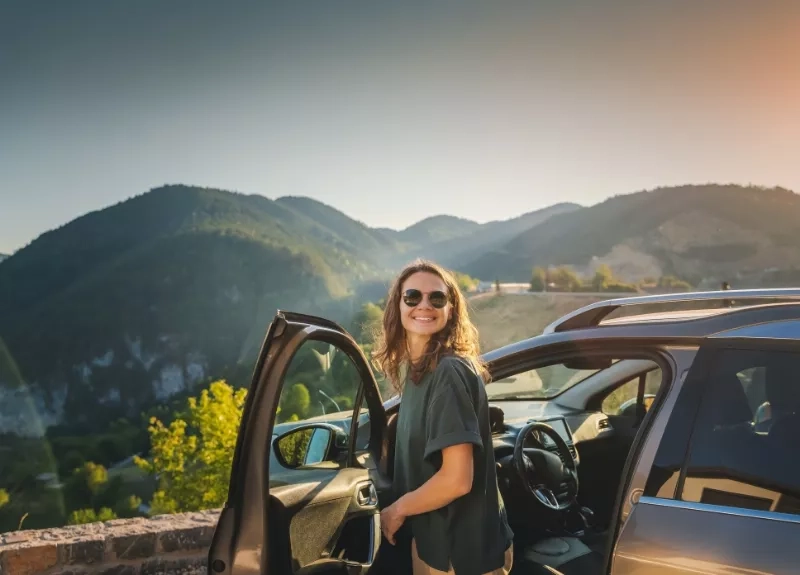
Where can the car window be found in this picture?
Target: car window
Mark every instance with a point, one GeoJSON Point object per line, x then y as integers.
{"type": "Point", "coordinates": [744, 448]}
{"type": "Point", "coordinates": [622, 401]}
{"type": "Point", "coordinates": [320, 387]}
{"type": "Point", "coordinates": [540, 383]}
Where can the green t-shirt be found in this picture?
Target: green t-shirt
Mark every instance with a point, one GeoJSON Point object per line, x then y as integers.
{"type": "Point", "coordinates": [449, 407]}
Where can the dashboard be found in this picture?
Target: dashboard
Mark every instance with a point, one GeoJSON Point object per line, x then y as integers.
{"type": "Point", "coordinates": [575, 427]}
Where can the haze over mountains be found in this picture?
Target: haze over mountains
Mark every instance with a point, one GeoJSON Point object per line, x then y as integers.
{"type": "Point", "coordinates": [132, 304]}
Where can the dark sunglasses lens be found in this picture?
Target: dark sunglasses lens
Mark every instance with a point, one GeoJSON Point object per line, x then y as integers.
{"type": "Point", "coordinates": [438, 299]}
{"type": "Point", "coordinates": [412, 297]}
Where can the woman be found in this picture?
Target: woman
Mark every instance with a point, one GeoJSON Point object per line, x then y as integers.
{"type": "Point", "coordinates": [445, 478]}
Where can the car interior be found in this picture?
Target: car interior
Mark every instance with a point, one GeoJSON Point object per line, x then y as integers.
{"type": "Point", "coordinates": [560, 460]}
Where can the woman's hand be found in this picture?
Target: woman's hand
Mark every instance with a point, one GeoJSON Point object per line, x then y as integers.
{"type": "Point", "coordinates": [392, 518]}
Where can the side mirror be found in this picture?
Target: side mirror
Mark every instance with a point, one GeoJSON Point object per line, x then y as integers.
{"type": "Point", "coordinates": [309, 445]}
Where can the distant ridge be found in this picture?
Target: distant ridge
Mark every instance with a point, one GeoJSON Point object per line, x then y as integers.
{"type": "Point", "coordinates": [701, 233]}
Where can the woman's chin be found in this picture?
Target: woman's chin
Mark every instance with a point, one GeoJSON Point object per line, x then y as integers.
{"type": "Point", "coordinates": [421, 330]}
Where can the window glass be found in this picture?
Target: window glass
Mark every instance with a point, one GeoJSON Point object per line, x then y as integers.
{"type": "Point", "coordinates": [320, 387]}
{"type": "Point", "coordinates": [622, 401]}
{"type": "Point", "coordinates": [540, 383]}
{"type": "Point", "coordinates": [662, 481]}
{"type": "Point", "coordinates": [744, 449]}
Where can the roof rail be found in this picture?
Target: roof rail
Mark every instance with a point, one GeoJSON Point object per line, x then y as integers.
{"type": "Point", "coordinates": [592, 314]}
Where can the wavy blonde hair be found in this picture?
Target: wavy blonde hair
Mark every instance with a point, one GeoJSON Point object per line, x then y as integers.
{"type": "Point", "coordinates": [458, 337]}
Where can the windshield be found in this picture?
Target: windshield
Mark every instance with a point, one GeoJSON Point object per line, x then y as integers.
{"type": "Point", "coordinates": [540, 383]}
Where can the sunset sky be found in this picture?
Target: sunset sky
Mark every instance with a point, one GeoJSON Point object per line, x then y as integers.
{"type": "Point", "coordinates": [482, 111]}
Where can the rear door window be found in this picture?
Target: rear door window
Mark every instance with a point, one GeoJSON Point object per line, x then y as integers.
{"type": "Point", "coordinates": [745, 447]}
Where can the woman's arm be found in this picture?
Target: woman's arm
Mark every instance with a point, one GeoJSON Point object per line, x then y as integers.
{"type": "Point", "coordinates": [453, 480]}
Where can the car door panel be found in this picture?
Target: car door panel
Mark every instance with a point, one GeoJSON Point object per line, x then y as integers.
{"type": "Point", "coordinates": [330, 518]}
{"type": "Point", "coordinates": [666, 537]}
{"type": "Point", "coordinates": [321, 519]}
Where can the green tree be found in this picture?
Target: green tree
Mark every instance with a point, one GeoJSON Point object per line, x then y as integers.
{"type": "Point", "coordinates": [295, 402]}
{"type": "Point", "coordinates": [4, 498]}
{"type": "Point", "coordinates": [89, 515]}
{"type": "Point", "coordinates": [538, 279]}
{"type": "Point", "coordinates": [603, 277]}
{"type": "Point", "coordinates": [465, 282]}
{"type": "Point", "coordinates": [367, 320]}
{"type": "Point", "coordinates": [673, 283]}
{"type": "Point", "coordinates": [192, 457]}
{"type": "Point", "coordinates": [565, 279]}
{"type": "Point", "coordinates": [96, 476]}
{"type": "Point", "coordinates": [128, 507]}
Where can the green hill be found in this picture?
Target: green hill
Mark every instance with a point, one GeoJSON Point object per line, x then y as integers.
{"type": "Point", "coordinates": [351, 234]}
{"type": "Point", "coordinates": [700, 233]}
{"type": "Point", "coordinates": [436, 229]}
{"type": "Point", "coordinates": [128, 305]}
{"type": "Point", "coordinates": [459, 252]}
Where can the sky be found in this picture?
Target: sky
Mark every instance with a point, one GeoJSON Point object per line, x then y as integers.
{"type": "Point", "coordinates": [483, 111]}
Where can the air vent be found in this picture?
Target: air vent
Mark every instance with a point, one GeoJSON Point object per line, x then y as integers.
{"type": "Point", "coordinates": [603, 423]}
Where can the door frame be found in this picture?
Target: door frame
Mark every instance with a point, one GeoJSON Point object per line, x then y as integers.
{"type": "Point", "coordinates": [240, 544]}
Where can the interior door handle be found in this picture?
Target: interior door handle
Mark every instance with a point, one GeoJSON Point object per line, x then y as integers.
{"type": "Point", "coordinates": [367, 496]}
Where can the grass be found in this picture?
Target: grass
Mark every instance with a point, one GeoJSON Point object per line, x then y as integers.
{"type": "Point", "coordinates": [506, 318]}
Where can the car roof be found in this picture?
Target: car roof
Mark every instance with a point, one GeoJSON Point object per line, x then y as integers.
{"type": "Point", "coordinates": [684, 304]}
{"type": "Point", "coordinates": [764, 314]}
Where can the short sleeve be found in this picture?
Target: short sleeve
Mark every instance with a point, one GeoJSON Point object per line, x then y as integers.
{"type": "Point", "coordinates": [451, 418]}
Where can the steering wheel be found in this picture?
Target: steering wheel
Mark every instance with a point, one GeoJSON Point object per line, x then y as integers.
{"type": "Point", "coordinates": [542, 473]}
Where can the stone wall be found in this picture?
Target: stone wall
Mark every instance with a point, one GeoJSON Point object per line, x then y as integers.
{"type": "Point", "coordinates": [162, 545]}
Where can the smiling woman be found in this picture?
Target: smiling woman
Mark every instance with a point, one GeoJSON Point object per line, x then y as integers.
{"type": "Point", "coordinates": [444, 465]}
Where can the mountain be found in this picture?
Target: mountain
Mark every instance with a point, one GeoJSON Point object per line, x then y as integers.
{"type": "Point", "coordinates": [436, 229]}
{"type": "Point", "coordinates": [699, 233]}
{"type": "Point", "coordinates": [358, 236]}
{"type": "Point", "coordinates": [459, 251]}
{"type": "Point", "coordinates": [145, 300]}
{"type": "Point", "coordinates": [3, 257]}
{"type": "Point", "coordinates": [168, 288]}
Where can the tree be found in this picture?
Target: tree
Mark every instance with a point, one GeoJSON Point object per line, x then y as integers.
{"type": "Point", "coordinates": [497, 285]}
{"type": "Point", "coordinates": [366, 320]}
{"type": "Point", "coordinates": [295, 402]}
{"type": "Point", "coordinates": [603, 277]}
{"type": "Point", "coordinates": [89, 515]}
{"type": "Point", "coordinates": [673, 283]}
{"type": "Point", "coordinates": [538, 280]}
{"type": "Point", "coordinates": [96, 476]}
{"type": "Point", "coordinates": [192, 457]}
{"type": "Point", "coordinates": [565, 279]}
{"type": "Point", "coordinates": [4, 498]}
{"type": "Point", "coordinates": [465, 283]}
{"type": "Point", "coordinates": [128, 507]}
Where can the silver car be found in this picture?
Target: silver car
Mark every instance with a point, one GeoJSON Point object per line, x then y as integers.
{"type": "Point", "coordinates": [656, 434]}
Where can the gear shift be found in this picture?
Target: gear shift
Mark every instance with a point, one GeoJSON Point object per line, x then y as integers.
{"type": "Point", "coordinates": [588, 517]}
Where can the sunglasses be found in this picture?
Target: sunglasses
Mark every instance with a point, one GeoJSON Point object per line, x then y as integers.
{"type": "Point", "coordinates": [413, 297]}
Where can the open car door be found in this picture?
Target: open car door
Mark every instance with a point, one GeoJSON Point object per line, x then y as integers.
{"type": "Point", "coordinates": [306, 476]}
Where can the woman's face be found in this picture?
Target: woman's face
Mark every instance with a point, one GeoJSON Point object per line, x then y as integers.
{"type": "Point", "coordinates": [424, 319]}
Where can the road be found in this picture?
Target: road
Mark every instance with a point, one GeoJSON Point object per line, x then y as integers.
{"type": "Point", "coordinates": [522, 288]}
